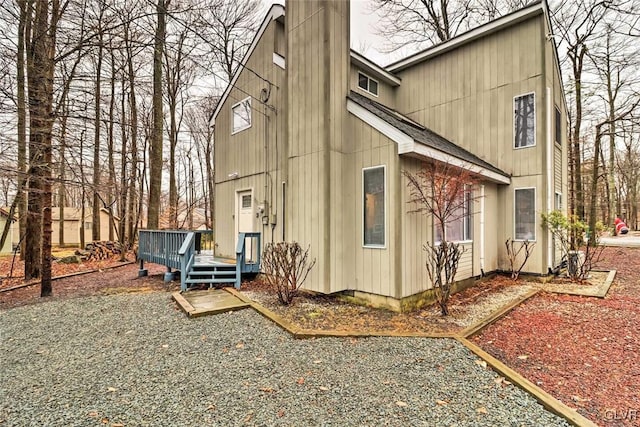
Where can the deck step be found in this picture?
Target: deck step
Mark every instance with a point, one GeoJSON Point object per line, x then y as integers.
{"type": "Point", "coordinates": [212, 273]}
{"type": "Point", "coordinates": [210, 280]}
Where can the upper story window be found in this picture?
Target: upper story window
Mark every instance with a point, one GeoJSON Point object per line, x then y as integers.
{"type": "Point", "coordinates": [367, 83]}
{"type": "Point", "coordinates": [525, 120]}
{"type": "Point", "coordinates": [373, 183]}
{"type": "Point", "coordinates": [458, 225]}
{"type": "Point", "coordinates": [241, 115]}
{"type": "Point", "coordinates": [558, 126]}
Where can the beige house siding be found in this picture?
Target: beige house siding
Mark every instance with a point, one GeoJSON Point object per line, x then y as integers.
{"type": "Point", "coordinates": [73, 227]}
{"type": "Point", "coordinates": [317, 80]}
{"type": "Point", "coordinates": [374, 270]}
{"type": "Point", "coordinates": [249, 152]}
{"type": "Point", "coordinates": [467, 95]}
{"type": "Point", "coordinates": [12, 237]}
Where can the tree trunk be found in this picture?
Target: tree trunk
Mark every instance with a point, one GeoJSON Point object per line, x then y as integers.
{"type": "Point", "coordinates": [97, 203]}
{"type": "Point", "coordinates": [133, 179]}
{"type": "Point", "coordinates": [22, 123]}
{"type": "Point", "coordinates": [110, 140]}
{"type": "Point", "coordinates": [594, 186]}
{"type": "Point", "coordinates": [155, 173]}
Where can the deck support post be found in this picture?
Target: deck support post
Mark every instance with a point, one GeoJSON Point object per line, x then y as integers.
{"type": "Point", "coordinates": [169, 275]}
{"type": "Point", "coordinates": [143, 271]}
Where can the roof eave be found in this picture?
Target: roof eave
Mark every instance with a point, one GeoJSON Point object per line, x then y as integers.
{"type": "Point", "coordinates": [367, 65]}
{"type": "Point", "coordinates": [276, 12]}
{"type": "Point", "coordinates": [476, 33]}
{"type": "Point", "coordinates": [407, 145]}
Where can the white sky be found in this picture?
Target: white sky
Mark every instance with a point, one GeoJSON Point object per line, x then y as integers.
{"type": "Point", "coordinates": [363, 37]}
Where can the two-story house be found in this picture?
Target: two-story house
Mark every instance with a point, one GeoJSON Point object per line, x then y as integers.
{"type": "Point", "coordinates": [312, 138]}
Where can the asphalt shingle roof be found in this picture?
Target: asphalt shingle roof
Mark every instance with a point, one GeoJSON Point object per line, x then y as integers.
{"type": "Point", "coordinates": [420, 133]}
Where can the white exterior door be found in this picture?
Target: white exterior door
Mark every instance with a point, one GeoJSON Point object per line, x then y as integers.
{"type": "Point", "coordinates": [244, 219]}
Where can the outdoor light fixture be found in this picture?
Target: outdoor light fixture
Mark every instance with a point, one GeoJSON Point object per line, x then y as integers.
{"type": "Point", "coordinates": [233, 175]}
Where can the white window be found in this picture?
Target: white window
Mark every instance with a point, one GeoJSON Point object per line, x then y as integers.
{"type": "Point", "coordinates": [373, 184]}
{"type": "Point", "coordinates": [458, 227]}
{"type": "Point", "coordinates": [367, 83]}
{"type": "Point", "coordinates": [525, 214]}
{"type": "Point", "coordinates": [524, 120]}
{"type": "Point", "coordinates": [241, 115]}
{"type": "Point", "coordinates": [558, 202]}
{"type": "Point", "coordinates": [558, 126]}
{"type": "Point", "coordinates": [87, 225]}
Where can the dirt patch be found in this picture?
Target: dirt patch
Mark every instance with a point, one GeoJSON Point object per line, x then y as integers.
{"type": "Point", "coordinates": [123, 279]}
{"type": "Point", "coordinates": [330, 313]}
{"type": "Point", "coordinates": [584, 351]}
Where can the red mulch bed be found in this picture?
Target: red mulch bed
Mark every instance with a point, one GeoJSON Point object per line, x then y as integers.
{"type": "Point", "coordinates": [119, 279]}
{"type": "Point", "coordinates": [584, 351]}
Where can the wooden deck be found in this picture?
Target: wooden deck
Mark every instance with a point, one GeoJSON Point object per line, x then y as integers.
{"type": "Point", "coordinates": [212, 301]}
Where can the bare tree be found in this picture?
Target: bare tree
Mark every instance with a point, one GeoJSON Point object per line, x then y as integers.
{"type": "Point", "coordinates": [576, 23]}
{"type": "Point", "coordinates": [156, 148]}
{"type": "Point", "coordinates": [421, 23]}
{"type": "Point", "coordinates": [444, 193]}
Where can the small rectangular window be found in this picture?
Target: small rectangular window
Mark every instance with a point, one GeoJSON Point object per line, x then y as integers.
{"type": "Point", "coordinates": [241, 115]}
{"type": "Point", "coordinates": [524, 121]}
{"type": "Point", "coordinates": [368, 84]}
{"type": "Point", "coordinates": [373, 182]}
{"type": "Point", "coordinates": [246, 201]}
{"type": "Point", "coordinates": [458, 228]}
{"type": "Point", "coordinates": [558, 202]}
{"type": "Point", "coordinates": [88, 225]}
{"type": "Point", "coordinates": [558, 126]}
{"type": "Point", "coordinates": [525, 213]}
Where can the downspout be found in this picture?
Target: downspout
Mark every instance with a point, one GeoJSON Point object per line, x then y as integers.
{"type": "Point", "coordinates": [482, 230]}
{"type": "Point", "coordinates": [549, 177]}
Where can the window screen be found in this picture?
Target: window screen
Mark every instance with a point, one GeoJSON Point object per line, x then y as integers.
{"type": "Point", "coordinates": [242, 115]}
{"type": "Point", "coordinates": [524, 121]}
{"type": "Point", "coordinates": [374, 200]}
{"type": "Point", "coordinates": [525, 214]}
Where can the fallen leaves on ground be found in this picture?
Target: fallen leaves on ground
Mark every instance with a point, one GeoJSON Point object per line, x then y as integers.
{"type": "Point", "coordinates": [585, 351]}
{"type": "Point", "coordinates": [328, 312]}
{"type": "Point", "coordinates": [108, 281]}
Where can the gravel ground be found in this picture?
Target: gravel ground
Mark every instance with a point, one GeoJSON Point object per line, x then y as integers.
{"type": "Point", "coordinates": [135, 360]}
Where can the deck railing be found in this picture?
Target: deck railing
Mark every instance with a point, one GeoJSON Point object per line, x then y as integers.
{"type": "Point", "coordinates": [161, 246]}
{"type": "Point", "coordinates": [177, 249]}
{"type": "Point", "coordinates": [248, 263]}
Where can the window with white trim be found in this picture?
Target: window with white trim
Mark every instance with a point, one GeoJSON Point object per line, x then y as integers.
{"type": "Point", "coordinates": [525, 214]}
{"type": "Point", "coordinates": [367, 83]}
{"type": "Point", "coordinates": [373, 185]}
{"type": "Point", "coordinates": [458, 228]}
{"type": "Point", "coordinates": [558, 125]}
{"type": "Point", "coordinates": [524, 120]}
{"type": "Point", "coordinates": [241, 115]}
{"type": "Point", "coordinates": [558, 201]}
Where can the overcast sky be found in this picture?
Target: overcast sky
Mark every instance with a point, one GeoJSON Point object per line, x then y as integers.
{"type": "Point", "coordinates": [363, 37]}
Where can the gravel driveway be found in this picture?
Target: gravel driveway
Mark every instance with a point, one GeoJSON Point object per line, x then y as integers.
{"type": "Point", "coordinates": [135, 360]}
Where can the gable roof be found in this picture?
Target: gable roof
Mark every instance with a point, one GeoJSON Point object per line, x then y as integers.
{"type": "Point", "coordinates": [536, 8]}
{"type": "Point", "coordinates": [275, 12]}
{"type": "Point", "coordinates": [371, 67]}
{"type": "Point", "coordinates": [416, 139]}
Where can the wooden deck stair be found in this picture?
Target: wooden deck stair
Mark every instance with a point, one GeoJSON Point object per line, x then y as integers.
{"type": "Point", "coordinates": [180, 250]}
{"type": "Point", "coordinates": [211, 273]}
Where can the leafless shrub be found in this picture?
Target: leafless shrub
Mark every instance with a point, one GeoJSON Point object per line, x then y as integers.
{"type": "Point", "coordinates": [513, 254]}
{"type": "Point", "coordinates": [286, 267]}
{"type": "Point", "coordinates": [442, 266]}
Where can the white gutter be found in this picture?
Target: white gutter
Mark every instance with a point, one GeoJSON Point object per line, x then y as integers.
{"type": "Point", "coordinates": [549, 175]}
{"type": "Point", "coordinates": [482, 230]}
